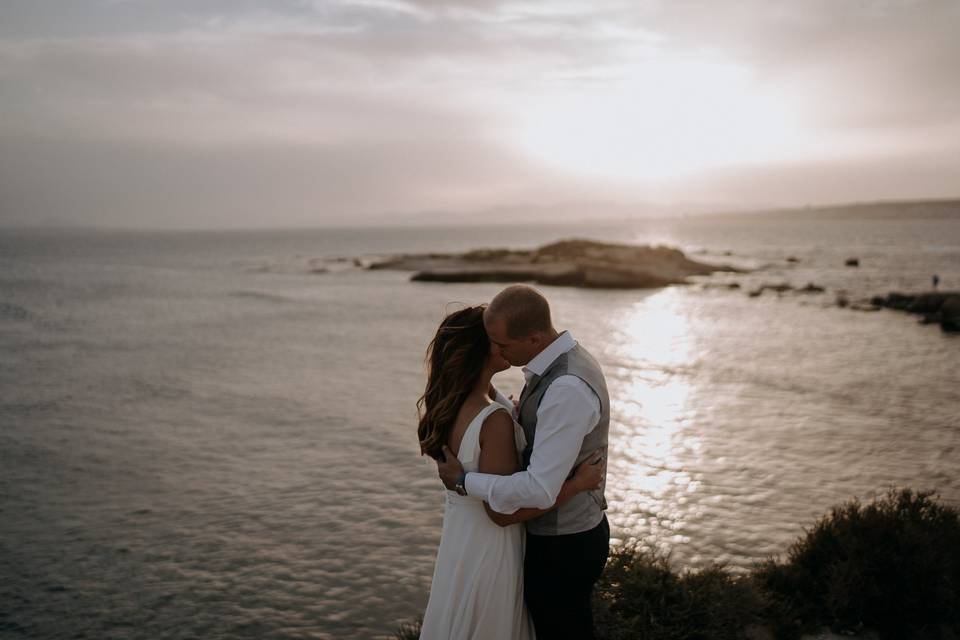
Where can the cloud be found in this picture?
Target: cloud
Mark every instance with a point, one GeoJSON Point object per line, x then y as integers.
{"type": "Point", "coordinates": [207, 91]}
{"type": "Point", "coordinates": [258, 184]}
{"type": "Point", "coordinates": [231, 119]}
{"type": "Point", "coordinates": [864, 64]}
{"type": "Point", "coordinates": [327, 108]}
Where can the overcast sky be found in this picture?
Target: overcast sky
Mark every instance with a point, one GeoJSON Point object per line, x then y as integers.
{"type": "Point", "coordinates": [210, 113]}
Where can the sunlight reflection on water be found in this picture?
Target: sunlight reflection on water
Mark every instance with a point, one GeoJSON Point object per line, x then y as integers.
{"type": "Point", "coordinates": [653, 422]}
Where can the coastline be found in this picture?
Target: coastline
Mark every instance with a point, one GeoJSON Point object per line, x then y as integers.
{"type": "Point", "coordinates": [591, 264]}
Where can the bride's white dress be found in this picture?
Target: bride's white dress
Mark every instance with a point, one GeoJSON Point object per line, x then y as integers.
{"type": "Point", "coordinates": [477, 590]}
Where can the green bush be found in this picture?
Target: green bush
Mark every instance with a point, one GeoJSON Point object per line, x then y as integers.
{"type": "Point", "coordinates": [892, 565]}
{"type": "Point", "coordinates": [409, 630]}
{"type": "Point", "coordinates": [640, 597]}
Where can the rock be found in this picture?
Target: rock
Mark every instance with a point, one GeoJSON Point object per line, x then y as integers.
{"type": "Point", "coordinates": [784, 287]}
{"type": "Point", "coordinates": [852, 262]}
{"type": "Point", "coordinates": [13, 311]}
{"type": "Point", "coordinates": [578, 263]}
{"type": "Point", "coordinates": [491, 274]}
{"type": "Point", "coordinates": [941, 307]}
{"type": "Point", "coordinates": [950, 314]}
{"type": "Point", "coordinates": [927, 303]}
{"type": "Point", "coordinates": [893, 301]}
{"type": "Point", "coordinates": [779, 288]}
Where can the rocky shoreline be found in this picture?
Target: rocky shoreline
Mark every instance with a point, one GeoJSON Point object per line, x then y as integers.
{"type": "Point", "coordinates": [604, 265]}
{"type": "Point", "coordinates": [934, 307]}
{"type": "Point", "coordinates": [577, 263]}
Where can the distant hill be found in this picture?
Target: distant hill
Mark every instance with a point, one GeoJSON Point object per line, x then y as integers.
{"type": "Point", "coordinates": [605, 212]}
{"type": "Point", "coordinates": [890, 210]}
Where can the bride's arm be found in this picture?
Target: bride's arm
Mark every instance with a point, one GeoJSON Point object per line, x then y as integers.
{"type": "Point", "coordinates": [498, 455]}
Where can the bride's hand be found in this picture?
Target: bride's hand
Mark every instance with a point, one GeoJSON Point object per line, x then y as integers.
{"type": "Point", "coordinates": [589, 474]}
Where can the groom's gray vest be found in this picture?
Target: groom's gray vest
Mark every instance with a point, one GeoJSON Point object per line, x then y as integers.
{"type": "Point", "coordinates": [585, 510]}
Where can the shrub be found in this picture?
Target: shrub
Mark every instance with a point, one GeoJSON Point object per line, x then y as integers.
{"type": "Point", "coordinates": [892, 565]}
{"type": "Point", "coordinates": [640, 597]}
{"type": "Point", "coordinates": [409, 630]}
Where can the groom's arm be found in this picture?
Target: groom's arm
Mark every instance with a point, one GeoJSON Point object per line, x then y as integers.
{"type": "Point", "coordinates": [568, 411]}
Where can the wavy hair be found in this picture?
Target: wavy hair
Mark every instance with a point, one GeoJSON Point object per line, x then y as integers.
{"type": "Point", "coordinates": [455, 360]}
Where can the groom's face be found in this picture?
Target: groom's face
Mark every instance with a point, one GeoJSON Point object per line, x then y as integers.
{"type": "Point", "coordinates": [516, 352]}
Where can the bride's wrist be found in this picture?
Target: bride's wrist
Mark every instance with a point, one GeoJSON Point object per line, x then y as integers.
{"type": "Point", "coordinates": [460, 486]}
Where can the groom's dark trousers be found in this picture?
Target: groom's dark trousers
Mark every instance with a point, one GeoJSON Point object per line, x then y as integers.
{"type": "Point", "coordinates": [558, 577]}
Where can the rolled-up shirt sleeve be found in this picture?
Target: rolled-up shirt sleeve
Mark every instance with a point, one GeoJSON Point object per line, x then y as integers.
{"type": "Point", "coordinates": [568, 411]}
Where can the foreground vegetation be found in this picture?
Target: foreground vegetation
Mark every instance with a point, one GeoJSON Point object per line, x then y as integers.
{"type": "Point", "coordinates": [890, 567]}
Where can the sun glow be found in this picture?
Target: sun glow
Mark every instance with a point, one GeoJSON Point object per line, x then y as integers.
{"type": "Point", "coordinates": [662, 118]}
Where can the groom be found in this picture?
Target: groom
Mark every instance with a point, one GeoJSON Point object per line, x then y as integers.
{"type": "Point", "coordinates": [564, 411]}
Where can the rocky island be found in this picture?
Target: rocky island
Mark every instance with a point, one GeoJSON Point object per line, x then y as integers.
{"type": "Point", "coordinates": [577, 263]}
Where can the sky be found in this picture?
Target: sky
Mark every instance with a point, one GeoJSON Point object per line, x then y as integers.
{"type": "Point", "coordinates": [292, 113]}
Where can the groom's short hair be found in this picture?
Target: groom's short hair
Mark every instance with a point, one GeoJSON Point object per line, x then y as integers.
{"type": "Point", "coordinates": [524, 310]}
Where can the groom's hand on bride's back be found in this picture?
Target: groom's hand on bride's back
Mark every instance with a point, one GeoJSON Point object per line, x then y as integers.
{"type": "Point", "coordinates": [449, 468]}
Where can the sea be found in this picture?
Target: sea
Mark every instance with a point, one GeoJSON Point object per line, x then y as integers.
{"type": "Point", "coordinates": [212, 434]}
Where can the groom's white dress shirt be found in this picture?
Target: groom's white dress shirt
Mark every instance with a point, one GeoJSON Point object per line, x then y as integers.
{"type": "Point", "coordinates": [568, 411]}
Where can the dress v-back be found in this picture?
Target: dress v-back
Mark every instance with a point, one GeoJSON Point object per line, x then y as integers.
{"type": "Point", "coordinates": [477, 590]}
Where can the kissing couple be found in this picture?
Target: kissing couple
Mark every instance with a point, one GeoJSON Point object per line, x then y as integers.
{"type": "Point", "coordinates": [524, 536]}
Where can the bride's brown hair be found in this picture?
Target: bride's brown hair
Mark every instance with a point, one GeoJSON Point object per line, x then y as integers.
{"type": "Point", "coordinates": [455, 360]}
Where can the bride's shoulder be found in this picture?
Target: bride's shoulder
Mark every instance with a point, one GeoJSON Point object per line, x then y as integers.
{"type": "Point", "coordinates": [497, 424]}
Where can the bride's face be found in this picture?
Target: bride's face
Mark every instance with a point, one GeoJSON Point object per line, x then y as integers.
{"type": "Point", "coordinates": [495, 361]}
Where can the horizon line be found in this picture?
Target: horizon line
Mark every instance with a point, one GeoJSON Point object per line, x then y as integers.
{"type": "Point", "coordinates": [419, 220]}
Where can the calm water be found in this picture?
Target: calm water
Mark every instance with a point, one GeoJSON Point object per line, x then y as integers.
{"type": "Point", "coordinates": [201, 438]}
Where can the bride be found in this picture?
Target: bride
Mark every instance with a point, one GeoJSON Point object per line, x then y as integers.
{"type": "Point", "coordinates": [477, 589]}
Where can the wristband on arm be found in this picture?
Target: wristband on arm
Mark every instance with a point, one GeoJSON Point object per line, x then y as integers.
{"type": "Point", "coordinates": [460, 486]}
